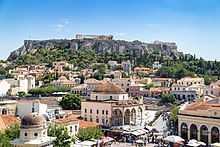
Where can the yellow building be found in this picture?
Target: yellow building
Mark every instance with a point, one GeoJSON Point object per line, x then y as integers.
{"type": "Point", "coordinates": [200, 121]}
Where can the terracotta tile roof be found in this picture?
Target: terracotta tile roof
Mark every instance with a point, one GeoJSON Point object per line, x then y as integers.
{"type": "Point", "coordinates": [202, 106]}
{"type": "Point", "coordinates": [123, 79]}
{"type": "Point", "coordinates": [110, 88]}
{"type": "Point", "coordinates": [189, 78]}
{"type": "Point", "coordinates": [87, 124]}
{"type": "Point", "coordinates": [64, 80]}
{"type": "Point", "coordinates": [96, 83]}
{"type": "Point", "coordinates": [155, 90]}
{"type": "Point", "coordinates": [75, 116]}
{"type": "Point", "coordinates": [177, 85]}
{"type": "Point", "coordinates": [8, 120]}
{"type": "Point", "coordinates": [64, 121]}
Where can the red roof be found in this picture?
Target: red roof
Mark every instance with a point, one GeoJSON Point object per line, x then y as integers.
{"type": "Point", "coordinates": [87, 124]}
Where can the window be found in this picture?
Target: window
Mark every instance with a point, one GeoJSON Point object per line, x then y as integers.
{"type": "Point", "coordinates": [35, 134]}
{"type": "Point", "coordinates": [122, 84]}
{"type": "Point", "coordinates": [85, 118]}
{"type": "Point", "coordinates": [90, 119]}
{"type": "Point", "coordinates": [85, 110]}
{"type": "Point", "coordinates": [106, 121]}
{"type": "Point", "coordinates": [110, 97]}
{"type": "Point", "coordinates": [103, 121]}
{"type": "Point", "coordinates": [96, 98]}
{"type": "Point", "coordinates": [90, 110]}
{"type": "Point", "coordinates": [25, 134]}
{"type": "Point", "coordinates": [127, 84]}
{"type": "Point", "coordinates": [97, 120]}
{"type": "Point", "coordinates": [211, 92]}
{"type": "Point", "coordinates": [106, 112]}
{"type": "Point", "coordinates": [71, 129]}
{"type": "Point", "coordinates": [97, 111]}
{"type": "Point", "coordinates": [75, 128]}
{"type": "Point", "coordinates": [103, 112]}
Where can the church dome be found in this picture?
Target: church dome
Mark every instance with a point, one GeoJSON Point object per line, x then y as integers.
{"type": "Point", "coordinates": [33, 120]}
{"type": "Point", "coordinates": [109, 88]}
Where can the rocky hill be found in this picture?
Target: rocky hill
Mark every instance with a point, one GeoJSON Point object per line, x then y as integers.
{"type": "Point", "coordinates": [100, 47]}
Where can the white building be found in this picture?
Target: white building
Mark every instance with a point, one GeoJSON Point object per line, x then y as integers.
{"type": "Point", "coordinates": [112, 64]}
{"type": "Point", "coordinates": [188, 81]}
{"type": "Point", "coordinates": [126, 66]}
{"type": "Point", "coordinates": [4, 87]}
{"type": "Point", "coordinates": [112, 107]}
{"type": "Point", "coordinates": [183, 93]}
{"type": "Point", "coordinates": [25, 107]}
{"type": "Point", "coordinates": [156, 65]}
{"type": "Point", "coordinates": [22, 83]}
{"type": "Point", "coordinates": [71, 124]}
{"type": "Point", "coordinates": [33, 132]}
{"type": "Point", "coordinates": [124, 83]}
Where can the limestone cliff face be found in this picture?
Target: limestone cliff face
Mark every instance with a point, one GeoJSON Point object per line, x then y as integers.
{"type": "Point", "coordinates": [99, 46]}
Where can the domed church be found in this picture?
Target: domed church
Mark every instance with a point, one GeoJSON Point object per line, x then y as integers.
{"type": "Point", "coordinates": [110, 105]}
{"type": "Point", "coordinates": [33, 132]}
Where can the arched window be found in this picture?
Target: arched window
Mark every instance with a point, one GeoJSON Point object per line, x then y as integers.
{"type": "Point", "coordinates": [4, 111]}
{"type": "Point", "coordinates": [184, 131]}
{"type": "Point", "coordinates": [193, 132]}
{"type": "Point", "coordinates": [214, 135]}
{"type": "Point", "coordinates": [204, 134]}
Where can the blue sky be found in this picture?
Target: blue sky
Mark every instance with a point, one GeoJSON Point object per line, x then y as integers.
{"type": "Point", "coordinates": [192, 24]}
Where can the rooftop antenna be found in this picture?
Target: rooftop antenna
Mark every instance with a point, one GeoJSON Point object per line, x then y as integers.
{"type": "Point", "coordinates": [32, 107]}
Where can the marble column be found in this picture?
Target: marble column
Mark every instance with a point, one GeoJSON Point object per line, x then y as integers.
{"type": "Point", "coordinates": [123, 120]}
{"type": "Point", "coordinates": [209, 137]}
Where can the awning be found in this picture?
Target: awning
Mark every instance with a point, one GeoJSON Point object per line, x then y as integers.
{"type": "Point", "coordinates": [142, 132]}
{"type": "Point", "coordinates": [136, 133]}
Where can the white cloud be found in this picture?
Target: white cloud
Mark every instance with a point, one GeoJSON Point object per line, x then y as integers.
{"type": "Point", "coordinates": [58, 27]}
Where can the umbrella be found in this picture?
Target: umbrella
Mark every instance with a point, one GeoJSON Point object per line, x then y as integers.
{"type": "Point", "coordinates": [139, 141]}
{"type": "Point", "coordinates": [202, 143]}
{"type": "Point", "coordinates": [193, 142]}
{"type": "Point", "coordinates": [173, 139]}
{"type": "Point", "coordinates": [215, 144]}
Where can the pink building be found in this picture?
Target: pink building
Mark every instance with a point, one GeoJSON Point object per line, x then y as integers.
{"type": "Point", "coordinates": [136, 89]}
{"type": "Point", "coordinates": [213, 89]}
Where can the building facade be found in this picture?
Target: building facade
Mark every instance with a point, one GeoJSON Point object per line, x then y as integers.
{"type": "Point", "coordinates": [33, 132]}
{"type": "Point", "coordinates": [112, 107]}
{"type": "Point", "coordinates": [200, 121]}
{"type": "Point", "coordinates": [187, 81]}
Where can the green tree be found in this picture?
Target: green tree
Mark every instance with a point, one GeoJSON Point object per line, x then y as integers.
{"type": "Point", "coordinates": [21, 94]}
{"type": "Point", "coordinates": [174, 117]}
{"type": "Point", "coordinates": [207, 80]}
{"type": "Point", "coordinates": [48, 90]}
{"type": "Point", "coordinates": [9, 134]}
{"type": "Point", "coordinates": [9, 76]}
{"type": "Point", "coordinates": [167, 98]}
{"type": "Point", "coordinates": [150, 85]}
{"type": "Point", "coordinates": [89, 134]}
{"type": "Point", "coordinates": [71, 102]}
{"type": "Point", "coordinates": [61, 134]}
